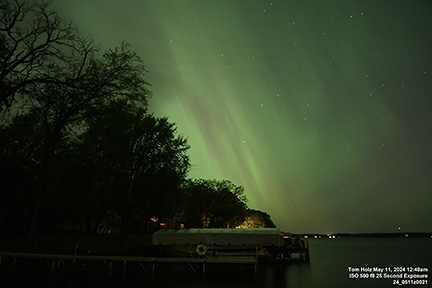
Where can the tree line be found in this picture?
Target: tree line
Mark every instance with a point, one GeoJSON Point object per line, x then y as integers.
{"type": "Point", "coordinates": [77, 143]}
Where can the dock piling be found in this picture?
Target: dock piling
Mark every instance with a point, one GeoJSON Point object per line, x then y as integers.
{"type": "Point", "coordinates": [109, 269]}
{"type": "Point", "coordinates": [76, 253]}
{"type": "Point", "coordinates": [52, 267]}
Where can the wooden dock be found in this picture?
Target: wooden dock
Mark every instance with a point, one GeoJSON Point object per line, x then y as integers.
{"type": "Point", "coordinates": [54, 260]}
{"type": "Point", "coordinates": [302, 248]}
{"type": "Point", "coordinates": [58, 261]}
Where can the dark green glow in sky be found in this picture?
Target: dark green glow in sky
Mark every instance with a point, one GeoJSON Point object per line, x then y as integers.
{"type": "Point", "coordinates": [322, 111]}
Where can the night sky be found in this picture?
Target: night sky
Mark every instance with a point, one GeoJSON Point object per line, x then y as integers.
{"type": "Point", "coordinates": [322, 110]}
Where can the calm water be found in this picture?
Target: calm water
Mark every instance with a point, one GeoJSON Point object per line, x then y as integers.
{"type": "Point", "coordinates": [330, 259]}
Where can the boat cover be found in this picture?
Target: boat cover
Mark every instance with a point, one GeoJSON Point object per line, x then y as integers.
{"type": "Point", "coordinates": [219, 236]}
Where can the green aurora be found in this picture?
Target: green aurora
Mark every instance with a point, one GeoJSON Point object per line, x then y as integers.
{"type": "Point", "coordinates": [321, 110]}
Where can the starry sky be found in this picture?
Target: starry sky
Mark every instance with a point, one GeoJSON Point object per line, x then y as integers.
{"type": "Point", "coordinates": [321, 110]}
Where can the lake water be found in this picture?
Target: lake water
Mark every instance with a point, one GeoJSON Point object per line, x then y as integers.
{"type": "Point", "coordinates": [329, 267]}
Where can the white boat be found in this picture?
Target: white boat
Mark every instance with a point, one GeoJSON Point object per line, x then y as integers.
{"type": "Point", "coordinates": [206, 242]}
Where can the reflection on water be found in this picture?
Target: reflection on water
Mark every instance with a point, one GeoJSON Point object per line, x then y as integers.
{"type": "Point", "coordinates": [329, 264]}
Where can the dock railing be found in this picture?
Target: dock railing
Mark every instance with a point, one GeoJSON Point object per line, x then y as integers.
{"type": "Point", "coordinates": [59, 258]}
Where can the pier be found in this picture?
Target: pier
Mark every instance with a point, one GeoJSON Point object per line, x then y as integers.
{"type": "Point", "coordinates": [231, 246]}
{"type": "Point", "coordinates": [62, 261]}
{"type": "Point", "coordinates": [55, 261]}
{"type": "Point", "coordinates": [300, 247]}
{"type": "Point", "coordinates": [65, 261]}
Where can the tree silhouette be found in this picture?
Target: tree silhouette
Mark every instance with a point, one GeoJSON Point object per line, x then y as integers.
{"type": "Point", "coordinates": [34, 39]}
{"type": "Point", "coordinates": [126, 161]}
{"type": "Point", "coordinates": [118, 75]}
{"type": "Point", "coordinates": [148, 157]}
{"type": "Point", "coordinates": [58, 77]}
{"type": "Point", "coordinates": [212, 204]}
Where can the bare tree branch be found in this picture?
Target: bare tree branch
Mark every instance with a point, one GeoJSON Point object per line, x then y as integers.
{"type": "Point", "coordinates": [34, 38]}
